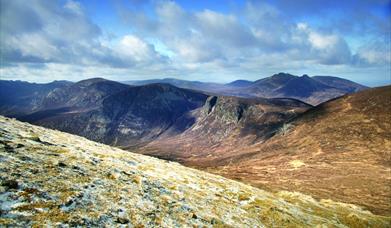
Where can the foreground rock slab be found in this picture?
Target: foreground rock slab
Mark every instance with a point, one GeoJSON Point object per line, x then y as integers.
{"type": "Point", "coordinates": [52, 178]}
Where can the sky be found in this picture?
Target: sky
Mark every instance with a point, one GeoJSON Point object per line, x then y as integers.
{"type": "Point", "coordinates": [215, 41]}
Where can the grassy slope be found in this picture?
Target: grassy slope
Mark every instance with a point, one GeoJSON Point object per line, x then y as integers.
{"type": "Point", "coordinates": [339, 150]}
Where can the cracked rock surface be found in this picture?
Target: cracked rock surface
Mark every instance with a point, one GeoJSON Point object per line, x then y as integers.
{"type": "Point", "coordinates": [52, 178]}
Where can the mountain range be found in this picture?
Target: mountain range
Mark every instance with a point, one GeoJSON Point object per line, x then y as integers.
{"type": "Point", "coordinates": [266, 133]}
{"type": "Point", "coordinates": [313, 90]}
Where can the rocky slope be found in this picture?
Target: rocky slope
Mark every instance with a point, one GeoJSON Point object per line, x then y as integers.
{"type": "Point", "coordinates": [32, 101]}
{"type": "Point", "coordinates": [85, 94]}
{"type": "Point", "coordinates": [222, 125]}
{"type": "Point", "coordinates": [130, 117]}
{"type": "Point", "coordinates": [339, 150]}
{"type": "Point", "coordinates": [49, 178]}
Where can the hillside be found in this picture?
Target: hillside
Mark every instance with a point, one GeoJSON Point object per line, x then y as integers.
{"type": "Point", "coordinates": [49, 178]}
{"type": "Point", "coordinates": [221, 125]}
{"type": "Point", "coordinates": [338, 150]}
{"type": "Point", "coordinates": [340, 83]}
{"type": "Point", "coordinates": [85, 94]}
{"type": "Point", "coordinates": [31, 101]}
{"type": "Point", "coordinates": [128, 116]}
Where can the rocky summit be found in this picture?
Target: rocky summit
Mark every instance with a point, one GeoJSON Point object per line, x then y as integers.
{"type": "Point", "coordinates": [50, 178]}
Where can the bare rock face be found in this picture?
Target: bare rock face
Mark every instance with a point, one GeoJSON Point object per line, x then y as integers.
{"type": "Point", "coordinates": [50, 178]}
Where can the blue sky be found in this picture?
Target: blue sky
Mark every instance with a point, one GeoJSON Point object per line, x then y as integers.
{"type": "Point", "coordinates": [217, 41]}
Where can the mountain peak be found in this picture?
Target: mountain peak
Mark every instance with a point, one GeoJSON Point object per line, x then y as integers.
{"type": "Point", "coordinates": [303, 86]}
{"type": "Point", "coordinates": [282, 74]}
{"type": "Point", "coordinates": [90, 81]}
{"type": "Point", "coordinates": [240, 83]}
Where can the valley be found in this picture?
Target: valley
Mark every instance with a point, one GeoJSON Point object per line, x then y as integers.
{"type": "Point", "coordinates": [337, 150]}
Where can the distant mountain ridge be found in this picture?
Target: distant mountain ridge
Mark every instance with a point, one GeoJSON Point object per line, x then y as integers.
{"type": "Point", "coordinates": [129, 115]}
{"type": "Point", "coordinates": [19, 97]}
{"type": "Point", "coordinates": [240, 83]}
{"type": "Point", "coordinates": [313, 90]}
{"type": "Point", "coordinates": [124, 115]}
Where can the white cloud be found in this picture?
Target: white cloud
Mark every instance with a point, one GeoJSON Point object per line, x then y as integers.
{"type": "Point", "coordinates": [168, 40]}
{"type": "Point", "coordinates": [135, 48]}
{"type": "Point", "coordinates": [375, 52]}
{"type": "Point", "coordinates": [225, 29]}
{"type": "Point", "coordinates": [45, 32]}
{"type": "Point", "coordinates": [33, 44]}
{"type": "Point", "coordinates": [74, 6]}
{"type": "Point", "coordinates": [64, 34]}
{"type": "Point", "coordinates": [327, 49]}
{"type": "Point", "coordinates": [322, 42]}
{"type": "Point", "coordinates": [375, 56]}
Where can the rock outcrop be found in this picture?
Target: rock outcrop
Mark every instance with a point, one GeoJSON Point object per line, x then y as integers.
{"type": "Point", "coordinates": [221, 126]}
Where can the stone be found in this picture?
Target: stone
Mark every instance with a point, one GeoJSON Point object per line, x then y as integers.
{"type": "Point", "coordinates": [10, 184]}
{"type": "Point", "coordinates": [123, 220]}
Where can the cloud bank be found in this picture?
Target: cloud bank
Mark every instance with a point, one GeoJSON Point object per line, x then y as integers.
{"type": "Point", "coordinates": [46, 40]}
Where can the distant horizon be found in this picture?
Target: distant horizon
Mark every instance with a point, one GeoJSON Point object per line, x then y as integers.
{"type": "Point", "coordinates": [374, 84]}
